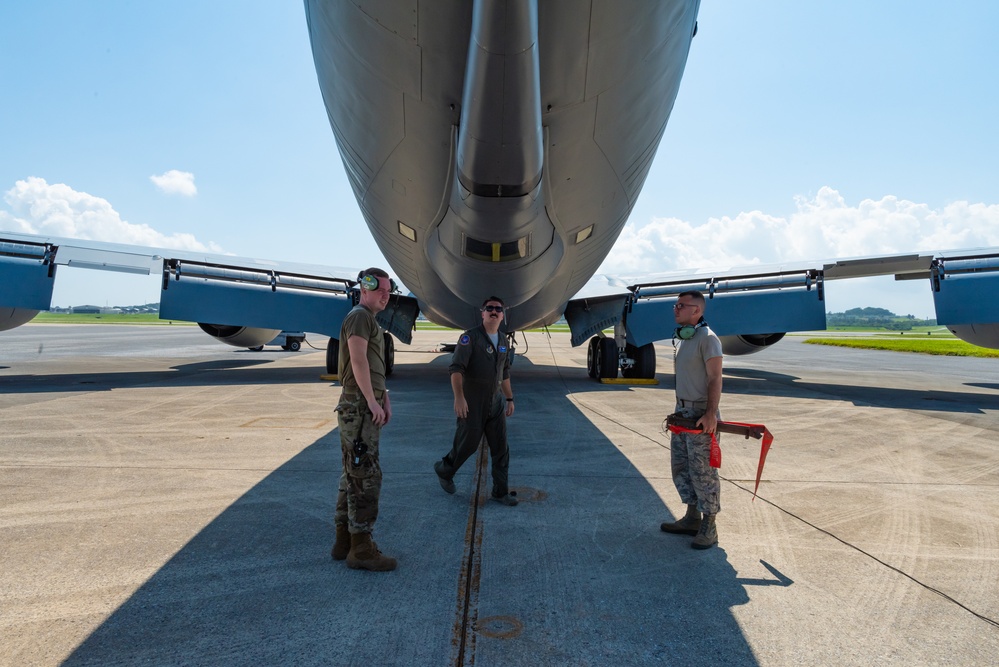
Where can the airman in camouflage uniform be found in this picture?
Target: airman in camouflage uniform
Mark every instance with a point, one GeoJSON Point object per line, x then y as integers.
{"type": "Point", "coordinates": [363, 409]}
{"type": "Point", "coordinates": [698, 371]}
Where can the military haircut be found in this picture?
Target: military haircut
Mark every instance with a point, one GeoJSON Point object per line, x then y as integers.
{"type": "Point", "coordinates": [493, 298]}
{"type": "Point", "coordinates": [695, 295]}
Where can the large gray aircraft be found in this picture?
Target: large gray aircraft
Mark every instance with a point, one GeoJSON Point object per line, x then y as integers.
{"type": "Point", "coordinates": [498, 147]}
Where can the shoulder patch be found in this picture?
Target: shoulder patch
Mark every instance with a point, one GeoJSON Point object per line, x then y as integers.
{"type": "Point", "coordinates": [464, 339]}
{"type": "Point", "coordinates": [502, 348]}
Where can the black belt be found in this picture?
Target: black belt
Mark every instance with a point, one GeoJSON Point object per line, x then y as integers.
{"type": "Point", "coordinates": [692, 404]}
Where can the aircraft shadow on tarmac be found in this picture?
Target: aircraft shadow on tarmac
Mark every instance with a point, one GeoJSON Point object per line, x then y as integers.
{"type": "Point", "coordinates": [581, 564]}
{"type": "Point", "coordinates": [757, 382]}
{"type": "Point", "coordinates": [737, 381]}
{"type": "Point", "coordinates": [255, 371]}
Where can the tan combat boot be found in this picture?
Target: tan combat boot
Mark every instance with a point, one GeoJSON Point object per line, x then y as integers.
{"type": "Point", "coordinates": [364, 555]}
{"type": "Point", "coordinates": [342, 546]}
{"type": "Point", "coordinates": [707, 536]}
{"type": "Point", "coordinates": [688, 525]}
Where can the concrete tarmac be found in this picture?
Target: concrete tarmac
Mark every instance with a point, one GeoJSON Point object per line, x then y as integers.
{"type": "Point", "coordinates": [167, 507]}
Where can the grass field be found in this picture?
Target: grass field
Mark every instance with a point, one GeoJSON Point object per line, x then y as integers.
{"type": "Point", "coordinates": [153, 318]}
{"type": "Point", "coordinates": [921, 329]}
{"type": "Point", "coordinates": [952, 347]}
{"type": "Point", "coordinates": [106, 318]}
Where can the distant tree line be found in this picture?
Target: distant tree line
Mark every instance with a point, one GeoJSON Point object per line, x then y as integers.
{"type": "Point", "coordinates": [875, 318]}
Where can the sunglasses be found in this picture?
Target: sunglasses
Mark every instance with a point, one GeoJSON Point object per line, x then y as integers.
{"type": "Point", "coordinates": [490, 309]}
{"type": "Point", "coordinates": [681, 306]}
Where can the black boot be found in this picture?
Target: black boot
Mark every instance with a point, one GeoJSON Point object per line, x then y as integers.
{"type": "Point", "coordinates": [447, 483]}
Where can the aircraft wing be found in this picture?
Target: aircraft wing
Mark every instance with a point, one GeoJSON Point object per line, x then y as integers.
{"type": "Point", "coordinates": [757, 305]}
{"type": "Point", "coordinates": [221, 290]}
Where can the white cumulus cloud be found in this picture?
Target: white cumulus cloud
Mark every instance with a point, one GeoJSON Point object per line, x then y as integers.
{"type": "Point", "coordinates": [37, 207]}
{"type": "Point", "coordinates": [176, 182]}
{"type": "Point", "coordinates": [822, 227]}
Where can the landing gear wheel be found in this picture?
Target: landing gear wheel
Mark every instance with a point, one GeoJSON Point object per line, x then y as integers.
{"type": "Point", "coordinates": [606, 359]}
{"type": "Point", "coordinates": [591, 356]}
{"type": "Point", "coordinates": [389, 353]}
{"type": "Point", "coordinates": [333, 356]}
{"type": "Point", "coordinates": [645, 361]}
{"type": "Point", "coordinates": [294, 346]}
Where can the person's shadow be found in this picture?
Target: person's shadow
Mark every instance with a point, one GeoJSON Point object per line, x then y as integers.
{"type": "Point", "coordinates": [578, 573]}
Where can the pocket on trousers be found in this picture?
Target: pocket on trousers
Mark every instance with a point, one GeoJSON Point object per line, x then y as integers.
{"type": "Point", "coordinates": [349, 412]}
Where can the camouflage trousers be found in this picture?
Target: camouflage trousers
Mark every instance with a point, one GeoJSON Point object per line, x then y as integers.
{"type": "Point", "coordinates": [695, 480]}
{"type": "Point", "coordinates": [361, 480]}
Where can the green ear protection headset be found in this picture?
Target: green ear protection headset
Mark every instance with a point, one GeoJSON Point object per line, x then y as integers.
{"type": "Point", "coordinates": [370, 283]}
{"type": "Point", "coordinates": [687, 331]}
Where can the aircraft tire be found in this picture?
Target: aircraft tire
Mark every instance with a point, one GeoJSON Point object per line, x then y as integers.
{"type": "Point", "coordinates": [645, 362]}
{"type": "Point", "coordinates": [606, 359]}
{"type": "Point", "coordinates": [333, 356]}
{"type": "Point", "coordinates": [294, 346]}
{"type": "Point", "coordinates": [591, 356]}
{"type": "Point", "coordinates": [389, 353]}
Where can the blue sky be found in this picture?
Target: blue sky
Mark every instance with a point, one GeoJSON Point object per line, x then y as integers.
{"type": "Point", "coordinates": [802, 130]}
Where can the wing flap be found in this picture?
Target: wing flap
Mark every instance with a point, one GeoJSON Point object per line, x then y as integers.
{"type": "Point", "coordinates": [253, 305]}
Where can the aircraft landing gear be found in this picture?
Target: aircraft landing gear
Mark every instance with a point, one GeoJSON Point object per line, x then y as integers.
{"type": "Point", "coordinates": [389, 353]}
{"type": "Point", "coordinates": [644, 361]}
{"type": "Point", "coordinates": [333, 356]}
{"type": "Point", "coordinates": [601, 358]}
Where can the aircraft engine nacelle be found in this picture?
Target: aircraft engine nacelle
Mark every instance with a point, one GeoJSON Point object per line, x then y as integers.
{"type": "Point", "coordinates": [964, 288]}
{"type": "Point", "coordinates": [748, 343]}
{"type": "Point", "coordinates": [11, 318]}
{"type": "Point", "coordinates": [239, 336]}
{"type": "Point", "coordinates": [982, 335]}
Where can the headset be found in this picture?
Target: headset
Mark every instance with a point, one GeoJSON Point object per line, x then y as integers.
{"type": "Point", "coordinates": [369, 282]}
{"type": "Point", "coordinates": [687, 331]}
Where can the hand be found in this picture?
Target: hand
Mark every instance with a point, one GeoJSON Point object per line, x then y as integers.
{"type": "Point", "coordinates": [461, 407]}
{"type": "Point", "coordinates": [708, 423]}
{"type": "Point", "coordinates": [387, 407]}
{"type": "Point", "coordinates": [378, 416]}
{"type": "Point", "coordinates": [509, 408]}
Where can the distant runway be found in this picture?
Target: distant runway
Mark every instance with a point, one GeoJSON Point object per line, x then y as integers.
{"type": "Point", "coordinates": [165, 499]}
{"type": "Point", "coordinates": [35, 342]}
